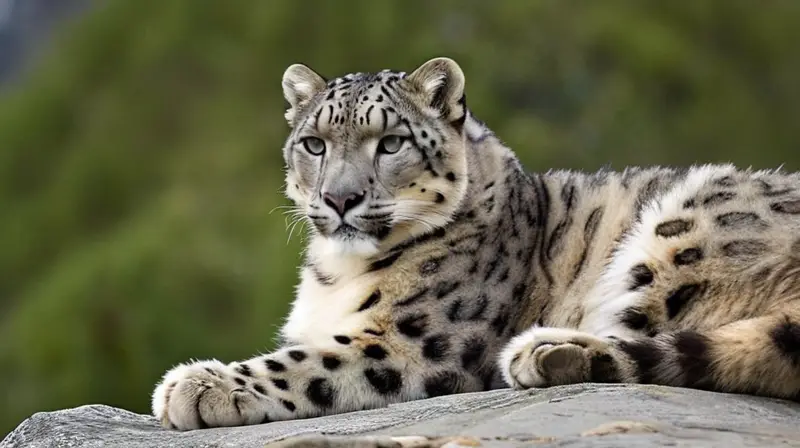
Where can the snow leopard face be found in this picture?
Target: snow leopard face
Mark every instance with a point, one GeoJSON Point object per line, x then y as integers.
{"type": "Point", "coordinates": [376, 158]}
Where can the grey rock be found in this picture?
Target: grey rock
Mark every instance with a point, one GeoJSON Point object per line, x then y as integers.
{"type": "Point", "coordinates": [576, 416]}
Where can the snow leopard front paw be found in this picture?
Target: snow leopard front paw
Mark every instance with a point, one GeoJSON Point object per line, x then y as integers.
{"type": "Point", "coordinates": [210, 394]}
{"type": "Point", "coordinates": [542, 357]}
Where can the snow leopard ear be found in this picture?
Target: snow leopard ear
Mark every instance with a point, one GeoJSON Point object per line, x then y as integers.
{"type": "Point", "coordinates": [441, 82]}
{"type": "Point", "coordinates": [300, 84]}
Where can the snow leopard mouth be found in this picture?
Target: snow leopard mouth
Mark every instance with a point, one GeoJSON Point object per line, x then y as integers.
{"type": "Point", "coordinates": [348, 232]}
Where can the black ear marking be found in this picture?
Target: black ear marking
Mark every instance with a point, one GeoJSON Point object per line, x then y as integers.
{"type": "Point", "coordinates": [439, 98]}
{"type": "Point", "coordinates": [459, 122]}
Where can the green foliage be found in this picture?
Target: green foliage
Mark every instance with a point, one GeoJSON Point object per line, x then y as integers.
{"type": "Point", "coordinates": [141, 160]}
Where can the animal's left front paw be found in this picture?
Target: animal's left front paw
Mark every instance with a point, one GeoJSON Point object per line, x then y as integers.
{"type": "Point", "coordinates": [543, 357]}
{"type": "Point", "coordinates": [209, 394]}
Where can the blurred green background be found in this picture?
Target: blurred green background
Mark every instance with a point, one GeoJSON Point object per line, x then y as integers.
{"type": "Point", "coordinates": [140, 159]}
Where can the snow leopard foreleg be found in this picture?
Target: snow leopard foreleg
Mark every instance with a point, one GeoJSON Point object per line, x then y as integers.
{"type": "Point", "coordinates": [296, 382]}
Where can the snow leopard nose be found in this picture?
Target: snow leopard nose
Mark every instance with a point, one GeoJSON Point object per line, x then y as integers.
{"type": "Point", "coordinates": [342, 203]}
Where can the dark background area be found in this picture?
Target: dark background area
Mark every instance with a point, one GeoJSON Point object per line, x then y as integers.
{"type": "Point", "coordinates": [140, 149]}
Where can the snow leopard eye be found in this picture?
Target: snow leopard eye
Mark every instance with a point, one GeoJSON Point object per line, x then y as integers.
{"type": "Point", "coordinates": [391, 144]}
{"type": "Point", "coordinates": [314, 145]}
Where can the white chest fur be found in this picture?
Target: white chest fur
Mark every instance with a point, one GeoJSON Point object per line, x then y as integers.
{"type": "Point", "coordinates": [320, 312]}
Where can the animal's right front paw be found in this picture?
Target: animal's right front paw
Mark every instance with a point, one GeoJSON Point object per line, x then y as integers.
{"type": "Point", "coordinates": [208, 394]}
{"type": "Point", "coordinates": [543, 357]}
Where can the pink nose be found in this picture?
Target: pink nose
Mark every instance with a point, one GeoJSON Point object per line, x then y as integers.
{"type": "Point", "coordinates": [342, 203]}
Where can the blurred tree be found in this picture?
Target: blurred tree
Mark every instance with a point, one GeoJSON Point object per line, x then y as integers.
{"type": "Point", "coordinates": [140, 162]}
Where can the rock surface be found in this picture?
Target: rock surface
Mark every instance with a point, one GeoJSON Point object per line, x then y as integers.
{"type": "Point", "coordinates": [576, 416]}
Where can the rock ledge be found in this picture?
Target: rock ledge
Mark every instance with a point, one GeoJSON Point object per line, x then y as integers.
{"type": "Point", "coordinates": [576, 416]}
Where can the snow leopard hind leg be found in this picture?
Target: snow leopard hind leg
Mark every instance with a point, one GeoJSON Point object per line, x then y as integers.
{"type": "Point", "coordinates": [703, 292]}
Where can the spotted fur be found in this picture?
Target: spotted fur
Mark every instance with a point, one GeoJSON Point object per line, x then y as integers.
{"type": "Point", "coordinates": [437, 266]}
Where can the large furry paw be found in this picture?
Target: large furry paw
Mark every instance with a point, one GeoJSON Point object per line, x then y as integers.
{"type": "Point", "coordinates": [542, 357]}
{"type": "Point", "coordinates": [210, 394]}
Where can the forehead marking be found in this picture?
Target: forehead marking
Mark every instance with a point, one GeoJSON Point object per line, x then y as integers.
{"type": "Point", "coordinates": [385, 116]}
{"type": "Point", "coordinates": [369, 111]}
{"type": "Point", "coordinates": [316, 116]}
{"type": "Point", "coordinates": [357, 86]}
{"type": "Point", "coordinates": [386, 92]}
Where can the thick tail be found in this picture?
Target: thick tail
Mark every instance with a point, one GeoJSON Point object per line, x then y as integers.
{"type": "Point", "coordinates": [759, 356]}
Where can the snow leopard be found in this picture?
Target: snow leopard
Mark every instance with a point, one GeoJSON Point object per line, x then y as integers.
{"type": "Point", "coordinates": [437, 265]}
